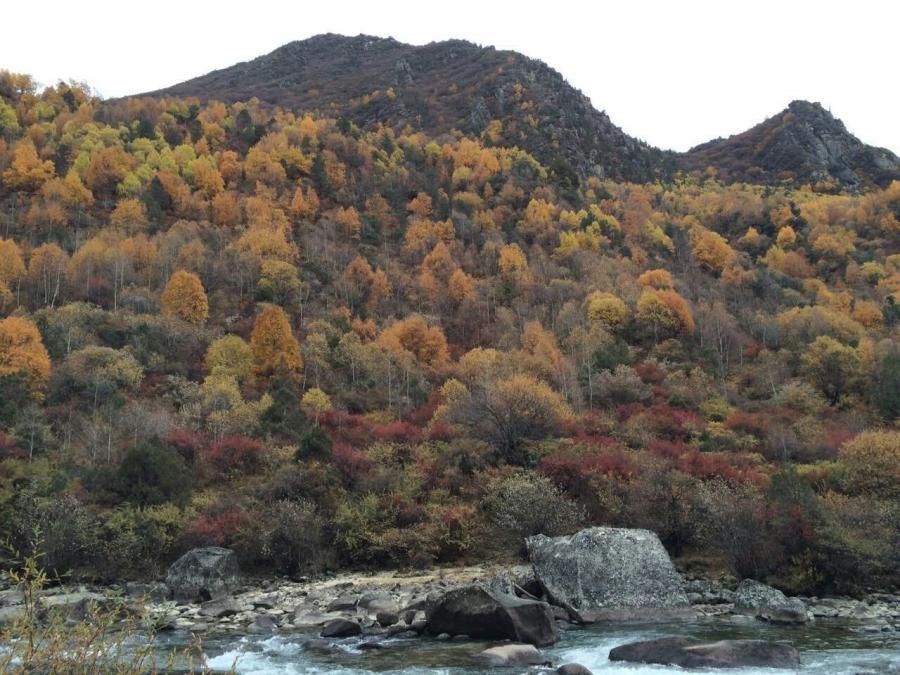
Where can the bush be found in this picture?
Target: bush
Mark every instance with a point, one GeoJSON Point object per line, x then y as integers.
{"type": "Point", "coordinates": [140, 542]}
{"type": "Point", "coordinates": [314, 444]}
{"type": "Point", "coordinates": [873, 464]}
{"type": "Point", "coordinates": [236, 454]}
{"type": "Point", "coordinates": [287, 534]}
{"type": "Point", "coordinates": [522, 505]}
{"type": "Point", "coordinates": [152, 473]}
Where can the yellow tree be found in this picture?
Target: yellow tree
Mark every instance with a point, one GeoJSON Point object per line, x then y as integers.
{"type": "Point", "coordinates": [185, 298]}
{"type": "Point", "coordinates": [22, 352]}
{"type": "Point", "coordinates": [272, 341]}
{"type": "Point", "coordinates": [27, 172]}
{"type": "Point", "coordinates": [607, 309]}
{"type": "Point", "coordinates": [230, 356]}
{"type": "Point", "coordinates": [664, 312]}
{"type": "Point", "coordinates": [315, 402]}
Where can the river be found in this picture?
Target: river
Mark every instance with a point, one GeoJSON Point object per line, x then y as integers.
{"type": "Point", "coordinates": [827, 647]}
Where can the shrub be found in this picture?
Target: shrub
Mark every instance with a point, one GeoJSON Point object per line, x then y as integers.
{"type": "Point", "coordinates": [152, 473]}
{"type": "Point", "coordinates": [314, 444]}
{"type": "Point", "coordinates": [288, 534]}
{"type": "Point", "coordinates": [236, 454]}
{"type": "Point", "coordinates": [140, 542]}
{"type": "Point", "coordinates": [873, 464]}
{"type": "Point", "coordinates": [521, 505]}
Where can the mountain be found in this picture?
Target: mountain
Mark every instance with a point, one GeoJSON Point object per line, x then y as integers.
{"type": "Point", "coordinates": [459, 85]}
{"type": "Point", "coordinates": [802, 144]}
{"type": "Point", "coordinates": [438, 87]}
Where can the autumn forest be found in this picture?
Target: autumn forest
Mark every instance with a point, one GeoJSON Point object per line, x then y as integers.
{"type": "Point", "coordinates": [327, 345]}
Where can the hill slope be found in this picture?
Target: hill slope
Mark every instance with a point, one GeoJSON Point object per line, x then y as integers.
{"type": "Point", "coordinates": [438, 87]}
{"type": "Point", "coordinates": [802, 144]}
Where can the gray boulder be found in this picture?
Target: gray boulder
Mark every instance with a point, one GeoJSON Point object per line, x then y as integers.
{"type": "Point", "coordinates": [688, 653]}
{"type": "Point", "coordinates": [768, 604]}
{"type": "Point", "coordinates": [220, 608]}
{"type": "Point", "coordinates": [203, 574]}
{"type": "Point", "coordinates": [609, 574]}
{"type": "Point", "coordinates": [513, 655]}
{"type": "Point", "coordinates": [573, 669]}
{"type": "Point", "coordinates": [339, 628]}
{"type": "Point", "coordinates": [479, 613]}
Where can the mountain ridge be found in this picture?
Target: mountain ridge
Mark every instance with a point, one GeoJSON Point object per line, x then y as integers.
{"type": "Point", "coordinates": [457, 84]}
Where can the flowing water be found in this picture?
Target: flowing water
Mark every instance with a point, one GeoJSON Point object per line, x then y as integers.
{"type": "Point", "coordinates": [826, 648]}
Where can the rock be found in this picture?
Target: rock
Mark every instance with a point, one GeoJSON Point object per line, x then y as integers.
{"type": "Point", "coordinates": [573, 669]}
{"type": "Point", "coordinates": [687, 653]}
{"type": "Point", "coordinates": [768, 604]}
{"type": "Point", "coordinates": [343, 603]}
{"type": "Point", "coordinates": [305, 616]}
{"type": "Point", "coordinates": [473, 610]}
{"type": "Point", "coordinates": [10, 614]}
{"type": "Point", "coordinates": [74, 606]}
{"type": "Point", "coordinates": [514, 655]}
{"type": "Point", "coordinates": [203, 574]}
{"type": "Point", "coordinates": [319, 646]}
{"type": "Point", "coordinates": [339, 628]}
{"type": "Point", "coordinates": [387, 618]}
{"type": "Point", "coordinates": [220, 608]}
{"type": "Point", "coordinates": [155, 592]}
{"type": "Point", "coordinates": [265, 601]}
{"type": "Point", "coordinates": [11, 596]}
{"type": "Point", "coordinates": [262, 625]}
{"type": "Point", "coordinates": [607, 573]}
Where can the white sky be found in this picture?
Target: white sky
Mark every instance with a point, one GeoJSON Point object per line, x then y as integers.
{"type": "Point", "coordinates": [674, 73]}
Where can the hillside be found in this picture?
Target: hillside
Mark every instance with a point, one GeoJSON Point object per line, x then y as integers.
{"type": "Point", "coordinates": [510, 99]}
{"type": "Point", "coordinates": [329, 345]}
{"type": "Point", "coordinates": [802, 144]}
{"type": "Point", "coordinates": [438, 87]}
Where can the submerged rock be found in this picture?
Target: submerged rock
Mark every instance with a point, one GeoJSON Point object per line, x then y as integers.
{"type": "Point", "coordinates": [479, 613]}
{"type": "Point", "coordinates": [768, 604]}
{"type": "Point", "coordinates": [514, 655]}
{"type": "Point", "coordinates": [207, 573]}
{"type": "Point", "coordinates": [607, 573]}
{"type": "Point", "coordinates": [688, 653]}
{"type": "Point", "coordinates": [573, 669]}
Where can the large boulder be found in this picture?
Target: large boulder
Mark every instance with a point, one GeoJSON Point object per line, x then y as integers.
{"type": "Point", "coordinates": [203, 574]}
{"type": "Point", "coordinates": [768, 604]}
{"type": "Point", "coordinates": [688, 653]}
{"type": "Point", "coordinates": [609, 574]}
{"type": "Point", "coordinates": [479, 613]}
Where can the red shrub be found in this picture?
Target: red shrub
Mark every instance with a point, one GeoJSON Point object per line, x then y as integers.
{"type": "Point", "coordinates": [570, 467]}
{"type": "Point", "coordinates": [754, 424]}
{"type": "Point", "coordinates": [352, 463]}
{"type": "Point", "coordinates": [735, 468]}
{"type": "Point", "coordinates": [663, 447]}
{"type": "Point", "coordinates": [399, 431]}
{"type": "Point", "coordinates": [440, 431]}
{"type": "Point", "coordinates": [8, 448]}
{"type": "Point", "coordinates": [189, 445]}
{"type": "Point", "coordinates": [650, 373]}
{"type": "Point", "coordinates": [216, 528]}
{"type": "Point", "coordinates": [236, 453]}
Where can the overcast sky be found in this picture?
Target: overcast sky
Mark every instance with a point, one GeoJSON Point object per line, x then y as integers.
{"type": "Point", "coordinates": [674, 73]}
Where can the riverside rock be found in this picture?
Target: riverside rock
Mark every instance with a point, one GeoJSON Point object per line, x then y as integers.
{"type": "Point", "coordinates": [202, 574]}
{"type": "Point", "coordinates": [479, 613]}
{"type": "Point", "coordinates": [606, 573]}
{"type": "Point", "coordinates": [513, 655]}
{"type": "Point", "coordinates": [768, 604]}
{"type": "Point", "coordinates": [687, 653]}
{"type": "Point", "coordinates": [339, 628]}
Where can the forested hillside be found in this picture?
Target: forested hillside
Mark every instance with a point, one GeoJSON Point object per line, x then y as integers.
{"type": "Point", "coordinates": [325, 345]}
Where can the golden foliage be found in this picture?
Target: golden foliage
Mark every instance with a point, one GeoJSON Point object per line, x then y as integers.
{"type": "Point", "coordinates": [185, 298]}
{"type": "Point", "coordinates": [22, 352]}
{"type": "Point", "coordinates": [272, 342]}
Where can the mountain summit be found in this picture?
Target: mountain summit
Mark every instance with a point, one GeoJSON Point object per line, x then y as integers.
{"type": "Point", "coordinates": [804, 143]}
{"type": "Point", "coordinates": [519, 101]}
{"type": "Point", "coordinates": [438, 87]}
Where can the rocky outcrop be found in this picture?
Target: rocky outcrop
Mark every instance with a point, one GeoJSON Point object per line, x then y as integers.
{"type": "Point", "coordinates": [688, 653]}
{"type": "Point", "coordinates": [606, 573]}
{"type": "Point", "coordinates": [768, 604]}
{"type": "Point", "coordinates": [479, 613]}
{"type": "Point", "coordinates": [203, 574]}
{"type": "Point", "coordinates": [513, 655]}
